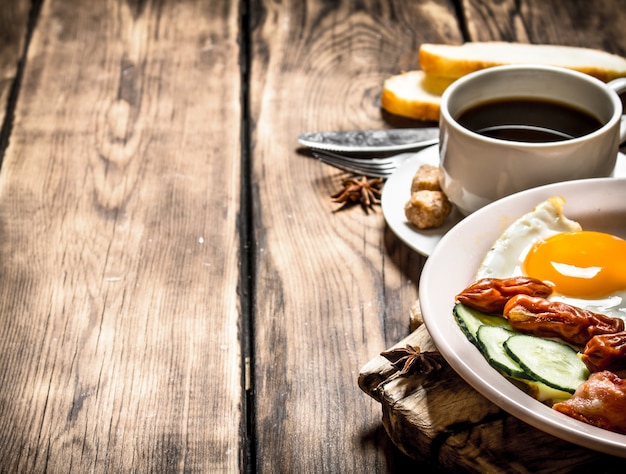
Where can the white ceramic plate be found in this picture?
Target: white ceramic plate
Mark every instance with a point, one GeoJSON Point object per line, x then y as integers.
{"type": "Point", "coordinates": [397, 191]}
{"type": "Point", "coordinates": [598, 204]}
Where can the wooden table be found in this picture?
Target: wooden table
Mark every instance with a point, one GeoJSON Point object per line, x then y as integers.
{"type": "Point", "coordinates": [177, 292]}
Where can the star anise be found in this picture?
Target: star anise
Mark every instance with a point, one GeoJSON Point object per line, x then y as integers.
{"type": "Point", "coordinates": [411, 360]}
{"type": "Point", "coordinates": [359, 190]}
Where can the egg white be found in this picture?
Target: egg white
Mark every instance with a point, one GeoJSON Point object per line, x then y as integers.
{"type": "Point", "coordinates": [507, 255]}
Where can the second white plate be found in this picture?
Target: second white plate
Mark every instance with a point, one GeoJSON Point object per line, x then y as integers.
{"type": "Point", "coordinates": [397, 191]}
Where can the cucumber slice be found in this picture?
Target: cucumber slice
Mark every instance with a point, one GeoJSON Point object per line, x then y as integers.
{"type": "Point", "coordinates": [469, 320]}
{"type": "Point", "coordinates": [491, 343]}
{"type": "Point", "coordinates": [555, 364]}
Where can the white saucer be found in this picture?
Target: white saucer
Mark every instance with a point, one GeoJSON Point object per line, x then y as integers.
{"type": "Point", "coordinates": [397, 191]}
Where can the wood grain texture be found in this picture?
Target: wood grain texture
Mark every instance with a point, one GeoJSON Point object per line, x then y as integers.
{"type": "Point", "coordinates": [331, 287]}
{"type": "Point", "coordinates": [13, 28]}
{"type": "Point", "coordinates": [593, 25]}
{"type": "Point", "coordinates": [127, 194]}
{"type": "Point", "coordinates": [119, 195]}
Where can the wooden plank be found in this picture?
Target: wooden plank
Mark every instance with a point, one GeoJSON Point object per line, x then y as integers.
{"type": "Point", "coordinates": [13, 27]}
{"type": "Point", "coordinates": [332, 288]}
{"type": "Point", "coordinates": [589, 24]}
{"type": "Point", "coordinates": [119, 195]}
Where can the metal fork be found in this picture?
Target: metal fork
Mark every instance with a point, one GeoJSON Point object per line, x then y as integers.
{"type": "Point", "coordinates": [371, 167]}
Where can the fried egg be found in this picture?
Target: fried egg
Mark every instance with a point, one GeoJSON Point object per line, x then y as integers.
{"type": "Point", "coordinates": [586, 268]}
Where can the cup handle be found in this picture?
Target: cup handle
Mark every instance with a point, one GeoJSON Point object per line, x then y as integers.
{"type": "Point", "coordinates": [619, 86]}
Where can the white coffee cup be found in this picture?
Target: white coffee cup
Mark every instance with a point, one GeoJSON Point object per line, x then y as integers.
{"type": "Point", "coordinates": [478, 169]}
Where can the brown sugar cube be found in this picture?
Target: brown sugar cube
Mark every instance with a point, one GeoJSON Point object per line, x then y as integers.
{"type": "Point", "coordinates": [426, 177]}
{"type": "Point", "coordinates": [427, 209]}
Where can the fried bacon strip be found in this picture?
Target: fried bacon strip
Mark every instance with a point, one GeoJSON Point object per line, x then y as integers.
{"type": "Point", "coordinates": [606, 352]}
{"type": "Point", "coordinates": [489, 295]}
{"type": "Point", "coordinates": [599, 401]}
{"type": "Point", "coordinates": [545, 318]}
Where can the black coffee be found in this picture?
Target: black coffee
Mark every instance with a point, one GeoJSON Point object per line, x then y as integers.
{"type": "Point", "coordinates": [528, 120]}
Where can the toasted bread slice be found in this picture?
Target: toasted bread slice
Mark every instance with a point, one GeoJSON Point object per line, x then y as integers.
{"type": "Point", "coordinates": [415, 95]}
{"type": "Point", "coordinates": [457, 60]}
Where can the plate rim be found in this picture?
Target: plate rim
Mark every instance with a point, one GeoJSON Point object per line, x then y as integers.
{"type": "Point", "coordinates": [459, 351]}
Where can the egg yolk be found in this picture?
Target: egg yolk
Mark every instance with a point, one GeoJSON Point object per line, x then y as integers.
{"type": "Point", "coordinates": [583, 264]}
